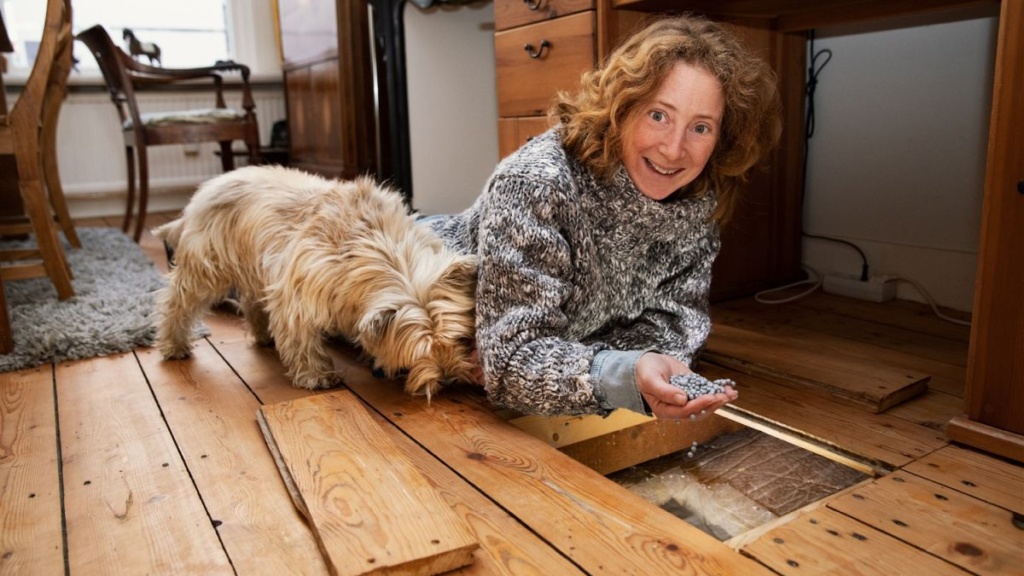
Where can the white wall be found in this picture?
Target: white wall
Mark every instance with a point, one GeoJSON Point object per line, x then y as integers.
{"type": "Point", "coordinates": [897, 160]}
{"type": "Point", "coordinates": [453, 116]}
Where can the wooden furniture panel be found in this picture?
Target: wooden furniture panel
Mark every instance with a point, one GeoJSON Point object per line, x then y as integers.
{"type": "Point", "coordinates": [329, 86]}
{"type": "Point", "coordinates": [512, 13]}
{"type": "Point", "coordinates": [526, 85]}
{"type": "Point", "coordinates": [994, 402]}
{"type": "Point", "coordinates": [799, 15]}
{"type": "Point", "coordinates": [514, 132]}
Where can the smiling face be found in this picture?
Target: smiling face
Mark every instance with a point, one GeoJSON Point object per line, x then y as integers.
{"type": "Point", "coordinates": [669, 141]}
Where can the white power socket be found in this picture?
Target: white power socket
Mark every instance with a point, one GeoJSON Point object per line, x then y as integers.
{"type": "Point", "coordinates": [875, 289]}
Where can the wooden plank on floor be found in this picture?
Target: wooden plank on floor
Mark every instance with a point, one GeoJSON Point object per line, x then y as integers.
{"type": "Point", "coordinates": [601, 526]}
{"type": "Point", "coordinates": [508, 548]}
{"type": "Point", "coordinates": [984, 477]}
{"type": "Point", "coordinates": [824, 541]}
{"type": "Point", "coordinates": [933, 409]}
{"type": "Point", "coordinates": [559, 431]}
{"type": "Point", "coordinates": [128, 498]}
{"type": "Point", "coordinates": [968, 532]}
{"type": "Point", "coordinates": [212, 415]}
{"type": "Point", "coordinates": [767, 320]}
{"type": "Point", "coordinates": [646, 441]}
{"type": "Point", "coordinates": [882, 438]}
{"type": "Point", "coordinates": [903, 314]}
{"type": "Point", "coordinates": [372, 510]}
{"type": "Point", "coordinates": [851, 328]}
{"type": "Point", "coordinates": [30, 515]}
{"type": "Point", "coordinates": [872, 385]}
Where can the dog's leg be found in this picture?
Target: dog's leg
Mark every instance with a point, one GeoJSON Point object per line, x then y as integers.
{"type": "Point", "coordinates": [300, 344]}
{"type": "Point", "coordinates": [257, 320]}
{"type": "Point", "coordinates": [181, 303]}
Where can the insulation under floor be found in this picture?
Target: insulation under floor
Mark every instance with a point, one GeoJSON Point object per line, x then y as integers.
{"type": "Point", "coordinates": [737, 482]}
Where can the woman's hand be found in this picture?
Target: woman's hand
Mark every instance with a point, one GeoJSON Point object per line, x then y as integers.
{"type": "Point", "coordinates": [666, 401]}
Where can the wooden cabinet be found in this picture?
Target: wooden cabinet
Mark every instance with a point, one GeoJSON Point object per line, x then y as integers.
{"type": "Point", "coordinates": [326, 54]}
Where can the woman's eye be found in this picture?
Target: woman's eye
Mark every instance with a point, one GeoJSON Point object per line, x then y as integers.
{"type": "Point", "coordinates": [657, 116]}
{"type": "Point", "coordinates": [703, 129]}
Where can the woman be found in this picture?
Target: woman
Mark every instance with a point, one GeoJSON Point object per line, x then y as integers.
{"type": "Point", "coordinates": [596, 239]}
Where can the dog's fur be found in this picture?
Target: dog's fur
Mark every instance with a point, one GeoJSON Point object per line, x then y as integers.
{"type": "Point", "coordinates": [311, 257]}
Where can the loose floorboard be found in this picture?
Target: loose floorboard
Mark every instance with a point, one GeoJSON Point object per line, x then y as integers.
{"type": "Point", "coordinates": [129, 464]}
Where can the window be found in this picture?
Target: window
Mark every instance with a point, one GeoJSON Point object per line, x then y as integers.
{"type": "Point", "coordinates": [188, 32]}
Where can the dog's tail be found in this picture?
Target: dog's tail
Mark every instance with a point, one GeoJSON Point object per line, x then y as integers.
{"type": "Point", "coordinates": [170, 233]}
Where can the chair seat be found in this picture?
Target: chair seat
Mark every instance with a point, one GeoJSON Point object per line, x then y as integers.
{"type": "Point", "coordinates": [197, 116]}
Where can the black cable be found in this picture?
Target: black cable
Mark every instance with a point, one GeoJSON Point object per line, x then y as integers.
{"type": "Point", "coordinates": [813, 70]}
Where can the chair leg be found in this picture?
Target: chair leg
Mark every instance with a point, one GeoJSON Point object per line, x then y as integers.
{"type": "Point", "coordinates": [51, 175]}
{"type": "Point", "coordinates": [129, 157]}
{"type": "Point", "coordinates": [42, 223]}
{"type": "Point", "coordinates": [227, 158]}
{"type": "Point", "coordinates": [143, 191]}
{"type": "Point", "coordinates": [252, 144]}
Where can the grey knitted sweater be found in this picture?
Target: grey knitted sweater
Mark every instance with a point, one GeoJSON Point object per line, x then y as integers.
{"type": "Point", "coordinates": [578, 278]}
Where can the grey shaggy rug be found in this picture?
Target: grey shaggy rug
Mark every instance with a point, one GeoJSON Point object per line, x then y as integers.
{"type": "Point", "coordinates": [112, 310]}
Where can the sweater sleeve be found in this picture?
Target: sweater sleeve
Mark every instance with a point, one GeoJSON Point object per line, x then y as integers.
{"type": "Point", "coordinates": [524, 280]}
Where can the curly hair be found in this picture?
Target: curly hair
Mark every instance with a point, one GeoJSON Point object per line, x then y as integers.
{"type": "Point", "coordinates": [594, 118]}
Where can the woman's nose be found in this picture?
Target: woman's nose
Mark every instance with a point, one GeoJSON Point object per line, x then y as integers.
{"type": "Point", "coordinates": [675, 145]}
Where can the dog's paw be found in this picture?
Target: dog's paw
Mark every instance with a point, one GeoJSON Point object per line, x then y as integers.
{"type": "Point", "coordinates": [176, 352]}
{"type": "Point", "coordinates": [321, 382]}
{"type": "Point", "coordinates": [263, 341]}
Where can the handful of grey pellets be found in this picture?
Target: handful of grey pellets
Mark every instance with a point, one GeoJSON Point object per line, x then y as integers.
{"type": "Point", "coordinates": [696, 385]}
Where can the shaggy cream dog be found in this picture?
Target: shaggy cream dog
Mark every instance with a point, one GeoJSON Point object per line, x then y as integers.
{"type": "Point", "coordinates": [311, 257]}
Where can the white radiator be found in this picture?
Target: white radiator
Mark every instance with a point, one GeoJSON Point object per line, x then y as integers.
{"type": "Point", "coordinates": [91, 155]}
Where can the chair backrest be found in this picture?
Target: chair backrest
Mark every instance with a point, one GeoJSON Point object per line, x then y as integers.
{"type": "Point", "coordinates": [32, 95]}
{"type": "Point", "coordinates": [111, 60]}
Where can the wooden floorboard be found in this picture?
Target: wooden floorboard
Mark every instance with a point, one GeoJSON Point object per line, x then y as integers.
{"type": "Point", "coordinates": [160, 466]}
{"type": "Point", "coordinates": [129, 498]}
{"type": "Point", "coordinates": [211, 414]}
{"type": "Point", "coordinates": [30, 526]}
{"type": "Point", "coordinates": [970, 533]}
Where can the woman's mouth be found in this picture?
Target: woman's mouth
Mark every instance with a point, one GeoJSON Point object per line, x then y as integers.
{"type": "Point", "coordinates": [660, 170]}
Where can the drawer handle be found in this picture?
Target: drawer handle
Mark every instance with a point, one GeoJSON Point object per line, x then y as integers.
{"type": "Point", "coordinates": [537, 53]}
{"type": "Point", "coordinates": [532, 5]}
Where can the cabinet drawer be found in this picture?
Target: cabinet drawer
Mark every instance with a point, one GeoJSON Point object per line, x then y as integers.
{"type": "Point", "coordinates": [514, 132]}
{"type": "Point", "coordinates": [512, 13]}
{"type": "Point", "coordinates": [526, 84]}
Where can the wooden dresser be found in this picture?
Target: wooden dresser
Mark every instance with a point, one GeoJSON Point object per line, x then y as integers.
{"type": "Point", "coordinates": [328, 72]}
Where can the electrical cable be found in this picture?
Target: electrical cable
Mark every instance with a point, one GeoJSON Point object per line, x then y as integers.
{"type": "Point", "coordinates": [813, 70]}
{"type": "Point", "coordinates": [815, 283]}
{"type": "Point", "coordinates": [930, 300]}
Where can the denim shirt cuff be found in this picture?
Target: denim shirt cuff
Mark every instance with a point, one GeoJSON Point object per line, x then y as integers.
{"type": "Point", "coordinates": [614, 376]}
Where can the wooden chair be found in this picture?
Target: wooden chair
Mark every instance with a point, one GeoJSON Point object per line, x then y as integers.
{"type": "Point", "coordinates": [126, 77]}
{"type": "Point", "coordinates": [20, 137]}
